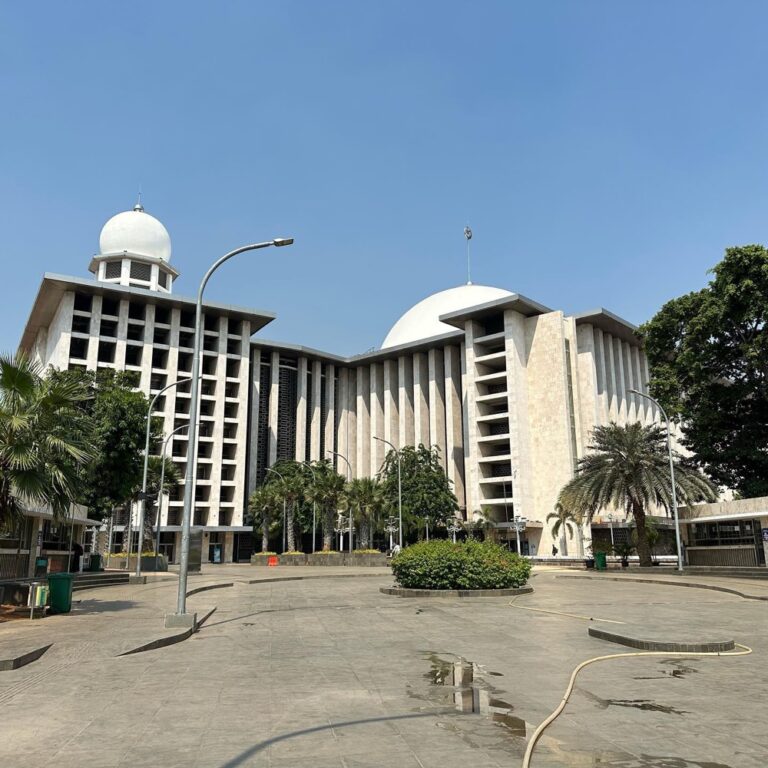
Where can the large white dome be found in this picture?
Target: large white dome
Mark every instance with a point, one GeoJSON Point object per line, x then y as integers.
{"type": "Point", "coordinates": [136, 232]}
{"type": "Point", "coordinates": [422, 321]}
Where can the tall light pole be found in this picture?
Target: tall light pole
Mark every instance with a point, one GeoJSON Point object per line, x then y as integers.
{"type": "Point", "coordinates": [610, 521]}
{"type": "Point", "coordinates": [349, 479]}
{"type": "Point", "coordinates": [399, 489]}
{"type": "Point", "coordinates": [160, 491]}
{"type": "Point", "coordinates": [314, 506]}
{"type": "Point", "coordinates": [671, 475]}
{"type": "Point", "coordinates": [453, 528]}
{"type": "Point", "coordinates": [519, 523]}
{"type": "Point", "coordinates": [189, 484]}
{"type": "Point", "coordinates": [143, 499]}
{"type": "Point", "coordinates": [285, 517]}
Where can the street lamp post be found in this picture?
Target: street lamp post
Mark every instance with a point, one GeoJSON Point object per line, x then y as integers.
{"type": "Point", "coordinates": [160, 491]}
{"type": "Point", "coordinates": [519, 523]}
{"type": "Point", "coordinates": [453, 528]}
{"type": "Point", "coordinates": [399, 489]}
{"type": "Point", "coordinates": [390, 528]}
{"type": "Point", "coordinates": [285, 517]}
{"type": "Point", "coordinates": [143, 499]}
{"type": "Point", "coordinates": [349, 479]}
{"type": "Point", "coordinates": [314, 506]}
{"type": "Point", "coordinates": [671, 475]}
{"type": "Point", "coordinates": [426, 522]}
{"type": "Point", "coordinates": [610, 521]}
{"type": "Point", "coordinates": [189, 485]}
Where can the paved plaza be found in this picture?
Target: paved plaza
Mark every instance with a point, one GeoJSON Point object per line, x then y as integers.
{"type": "Point", "coordinates": [328, 672]}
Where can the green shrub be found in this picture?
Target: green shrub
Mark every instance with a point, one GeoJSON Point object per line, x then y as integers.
{"type": "Point", "coordinates": [440, 564]}
{"type": "Point", "coordinates": [366, 552]}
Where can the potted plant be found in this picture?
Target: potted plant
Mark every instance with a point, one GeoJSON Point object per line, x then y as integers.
{"type": "Point", "coordinates": [623, 550]}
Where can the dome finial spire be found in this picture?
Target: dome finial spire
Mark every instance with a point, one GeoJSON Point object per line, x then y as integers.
{"type": "Point", "coordinates": [139, 207]}
{"type": "Point", "coordinates": [468, 235]}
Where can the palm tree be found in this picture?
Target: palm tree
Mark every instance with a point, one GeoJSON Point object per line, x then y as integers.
{"type": "Point", "coordinates": [327, 490]}
{"type": "Point", "coordinates": [262, 506]}
{"type": "Point", "coordinates": [565, 520]}
{"type": "Point", "coordinates": [366, 495]}
{"type": "Point", "coordinates": [43, 438]}
{"type": "Point", "coordinates": [627, 468]}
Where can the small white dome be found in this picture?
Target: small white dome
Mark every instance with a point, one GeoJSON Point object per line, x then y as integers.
{"type": "Point", "coordinates": [422, 321]}
{"type": "Point", "coordinates": [136, 232]}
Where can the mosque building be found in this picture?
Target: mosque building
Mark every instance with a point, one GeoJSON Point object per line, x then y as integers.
{"type": "Point", "coordinates": [507, 388]}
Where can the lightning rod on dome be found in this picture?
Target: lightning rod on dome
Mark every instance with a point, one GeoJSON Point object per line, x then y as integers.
{"type": "Point", "coordinates": [468, 236]}
{"type": "Point", "coordinates": [139, 206]}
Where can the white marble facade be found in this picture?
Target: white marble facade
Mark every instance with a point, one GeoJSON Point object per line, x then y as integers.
{"type": "Point", "coordinates": [507, 388]}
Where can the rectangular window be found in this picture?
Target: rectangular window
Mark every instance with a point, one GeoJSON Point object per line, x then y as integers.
{"type": "Point", "coordinates": [187, 318]}
{"type": "Point", "coordinates": [78, 348]}
{"type": "Point", "coordinates": [108, 328]}
{"type": "Point", "coordinates": [133, 354]}
{"type": "Point", "coordinates": [110, 306]}
{"type": "Point", "coordinates": [141, 271]}
{"type": "Point", "coordinates": [106, 352]}
{"type": "Point", "coordinates": [83, 302]}
{"type": "Point", "coordinates": [81, 324]}
{"type": "Point", "coordinates": [137, 311]}
{"type": "Point", "coordinates": [135, 332]}
{"type": "Point", "coordinates": [113, 270]}
{"type": "Point", "coordinates": [163, 278]}
{"type": "Point", "coordinates": [162, 315]}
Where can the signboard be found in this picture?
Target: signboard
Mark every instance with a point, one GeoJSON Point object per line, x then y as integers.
{"type": "Point", "coordinates": [764, 531]}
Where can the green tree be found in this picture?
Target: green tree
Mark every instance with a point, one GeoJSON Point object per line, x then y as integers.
{"type": "Point", "coordinates": [263, 506]}
{"type": "Point", "coordinates": [43, 440]}
{"type": "Point", "coordinates": [565, 520]}
{"type": "Point", "coordinates": [327, 490]}
{"type": "Point", "coordinates": [426, 488]}
{"type": "Point", "coordinates": [627, 468]}
{"type": "Point", "coordinates": [289, 483]}
{"type": "Point", "coordinates": [117, 415]}
{"type": "Point", "coordinates": [171, 478]}
{"type": "Point", "coordinates": [708, 357]}
{"type": "Point", "coordinates": [366, 496]}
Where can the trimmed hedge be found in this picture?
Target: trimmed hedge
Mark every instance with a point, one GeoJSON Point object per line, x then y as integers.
{"type": "Point", "coordinates": [441, 564]}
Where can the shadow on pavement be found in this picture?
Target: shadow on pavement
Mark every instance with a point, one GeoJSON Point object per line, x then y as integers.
{"type": "Point", "coordinates": [256, 748]}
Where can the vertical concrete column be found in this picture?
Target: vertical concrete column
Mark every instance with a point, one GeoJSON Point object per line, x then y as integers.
{"type": "Point", "coordinates": [350, 429]}
{"type": "Point", "coordinates": [391, 401]}
{"type": "Point", "coordinates": [420, 399]}
{"type": "Point", "coordinates": [588, 402]}
{"type": "Point", "coordinates": [652, 413]}
{"type": "Point", "coordinates": [454, 433]}
{"type": "Point", "coordinates": [122, 335]}
{"type": "Point", "coordinates": [602, 379]}
{"type": "Point", "coordinates": [520, 448]}
{"type": "Point", "coordinates": [254, 398]}
{"type": "Point", "coordinates": [613, 402]}
{"type": "Point", "coordinates": [59, 333]}
{"type": "Point", "coordinates": [342, 418]}
{"type": "Point", "coordinates": [378, 449]}
{"type": "Point", "coordinates": [621, 381]}
{"type": "Point", "coordinates": [329, 427]}
{"type": "Point", "coordinates": [274, 394]}
{"type": "Point", "coordinates": [437, 402]}
{"type": "Point", "coordinates": [301, 410]}
{"type": "Point", "coordinates": [219, 409]}
{"type": "Point", "coordinates": [641, 404]}
{"type": "Point", "coordinates": [93, 346]}
{"type": "Point", "coordinates": [631, 382]}
{"type": "Point", "coordinates": [405, 400]}
{"type": "Point", "coordinates": [146, 353]}
{"type": "Point", "coordinates": [317, 394]}
{"type": "Point", "coordinates": [363, 410]}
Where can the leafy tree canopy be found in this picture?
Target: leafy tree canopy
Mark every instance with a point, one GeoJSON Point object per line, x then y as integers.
{"type": "Point", "coordinates": [708, 355]}
{"type": "Point", "coordinates": [116, 431]}
{"type": "Point", "coordinates": [426, 488]}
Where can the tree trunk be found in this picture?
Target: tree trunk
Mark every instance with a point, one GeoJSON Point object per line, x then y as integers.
{"type": "Point", "coordinates": [291, 532]}
{"type": "Point", "coordinates": [365, 535]}
{"type": "Point", "coordinates": [643, 549]}
{"type": "Point", "coordinates": [327, 522]}
{"type": "Point", "coordinates": [265, 534]}
{"type": "Point", "coordinates": [564, 543]}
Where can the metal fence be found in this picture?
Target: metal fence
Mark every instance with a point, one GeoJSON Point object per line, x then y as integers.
{"type": "Point", "coordinates": [737, 555]}
{"type": "Point", "coordinates": [13, 565]}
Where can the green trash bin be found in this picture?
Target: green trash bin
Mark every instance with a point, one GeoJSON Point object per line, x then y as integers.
{"type": "Point", "coordinates": [601, 563]}
{"type": "Point", "coordinates": [95, 562]}
{"type": "Point", "coordinates": [60, 585]}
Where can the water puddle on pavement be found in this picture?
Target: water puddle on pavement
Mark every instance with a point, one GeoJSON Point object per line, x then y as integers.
{"type": "Point", "coordinates": [679, 669]}
{"type": "Point", "coordinates": [463, 688]}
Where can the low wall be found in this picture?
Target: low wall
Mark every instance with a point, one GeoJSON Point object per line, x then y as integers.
{"type": "Point", "coordinates": [359, 560]}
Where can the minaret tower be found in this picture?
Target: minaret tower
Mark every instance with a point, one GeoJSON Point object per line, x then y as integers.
{"type": "Point", "coordinates": [135, 250]}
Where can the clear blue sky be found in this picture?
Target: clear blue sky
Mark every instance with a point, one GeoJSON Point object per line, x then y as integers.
{"type": "Point", "coordinates": [604, 153]}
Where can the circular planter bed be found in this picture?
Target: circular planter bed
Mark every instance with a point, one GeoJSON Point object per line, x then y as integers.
{"type": "Point", "coordinates": [401, 592]}
{"type": "Point", "coordinates": [464, 568]}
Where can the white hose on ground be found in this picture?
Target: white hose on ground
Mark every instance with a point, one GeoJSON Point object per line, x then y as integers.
{"type": "Point", "coordinates": [537, 733]}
